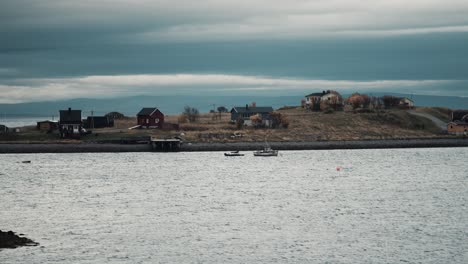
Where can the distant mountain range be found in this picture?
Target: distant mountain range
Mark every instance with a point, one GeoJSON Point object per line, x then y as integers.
{"type": "Point", "coordinates": [175, 104]}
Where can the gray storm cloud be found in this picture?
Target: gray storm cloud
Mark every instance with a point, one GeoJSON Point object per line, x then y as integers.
{"type": "Point", "coordinates": [227, 19]}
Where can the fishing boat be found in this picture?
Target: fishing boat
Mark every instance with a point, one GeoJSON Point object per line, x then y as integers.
{"type": "Point", "coordinates": [233, 154]}
{"type": "Point", "coordinates": [266, 152]}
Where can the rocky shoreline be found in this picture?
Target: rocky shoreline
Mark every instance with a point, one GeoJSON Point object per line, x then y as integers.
{"type": "Point", "coordinates": [324, 145]}
{"type": "Point", "coordinates": [197, 146]}
{"type": "Point", "coordinates": [10, 240]}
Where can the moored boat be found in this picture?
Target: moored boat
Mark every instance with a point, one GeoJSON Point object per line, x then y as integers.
{"type": "Point", "coordinates": [233, 154]}
{"type": "Point", "coordinates": [266, 152]}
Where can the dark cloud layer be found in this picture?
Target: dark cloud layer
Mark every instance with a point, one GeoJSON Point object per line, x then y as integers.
{"type": "Point", "coordinates": [440, 57]}
{"type": "Point", "coordinates": [360, 41]}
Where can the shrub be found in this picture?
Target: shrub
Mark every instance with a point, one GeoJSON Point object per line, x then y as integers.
{"type": "Point", "coordinates": [239, 123]}
{"type": "Point", "coordinates": [191, 113]}
{"type": "Point", "coordinates": [222, 109]}
{"type": "Point", "coordinates": [328, 110]}
{"type": "Point", "coordinates": [278, 119]}
{"type": "Point", "coordinates": [284, 122]}
{"type": "Point", "coordinates": [115, 115]}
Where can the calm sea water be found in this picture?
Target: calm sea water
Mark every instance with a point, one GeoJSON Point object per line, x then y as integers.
{"type": "Point", "coordinates": [344, 206]}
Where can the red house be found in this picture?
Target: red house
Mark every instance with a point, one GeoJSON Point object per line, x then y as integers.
{"type": "Point", "coordinates": [150, 118]}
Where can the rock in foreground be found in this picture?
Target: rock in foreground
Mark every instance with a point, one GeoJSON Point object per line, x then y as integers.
{"type": "Point", "coordinates": [11, 240]}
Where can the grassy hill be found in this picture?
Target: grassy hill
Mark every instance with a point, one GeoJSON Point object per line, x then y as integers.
{"type": "Point", "coordinates": [312, 126]}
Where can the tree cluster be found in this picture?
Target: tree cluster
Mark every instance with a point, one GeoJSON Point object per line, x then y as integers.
{"type": "Point", "coordinates": [191, 114]}
{"type": "Point", "coordinates": [256, 120]}
{"type": "Point", "coordinates": [222, 109]}
{"type": "Point", "coordinates": [239, 123]}
{"type": "Point", "coordinates": [357, 100]}
{"type": "Point", "coordinates": [115, 115]}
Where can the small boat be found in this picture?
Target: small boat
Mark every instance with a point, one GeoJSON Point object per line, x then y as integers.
{"type": "Point", "coordinates": [266, 152]}
{"type": "Point", "coordinates": [26, 161]}
{"type": "Point", "coordinates": [233, 154]}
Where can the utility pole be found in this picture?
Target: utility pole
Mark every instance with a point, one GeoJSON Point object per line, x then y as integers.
{"type": "Point", "coordinates": [92, 119]}
{"type": "Point", "coordinates": [214, 111]}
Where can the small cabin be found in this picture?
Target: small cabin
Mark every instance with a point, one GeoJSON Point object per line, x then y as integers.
{"type": "Point", "coordinates": [150, 117]}
{"type": "Point", "coordinates": [47, 125]}
{"type": "Point", "coordinates": [98, 122]}
{"type": "Point", "coordinates": [457, 128]}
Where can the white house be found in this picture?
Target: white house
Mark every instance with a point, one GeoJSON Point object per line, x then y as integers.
{"type": "Point", "coordinates": [406, 102]}
{"type": "Point", "coordinates": [323, 100]}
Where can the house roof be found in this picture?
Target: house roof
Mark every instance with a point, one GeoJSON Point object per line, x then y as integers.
{"type": "Point", "coordinates": [406, 98]}
{"type": "Point", "coordinates": [70, 116]}
{"type": "Point", "coordinates": [459, 123]}
{"type": "Point", "coordinates": [323, 93]}
{"type": "Point", "coordinates": [257, 109]}
{"type": "Point", "coordinates": [146, 111]}
{"type": "Point", "coordinates": [459, 114]}
{"type": "Point", "coordinates": [48, 121]}
{"type": "Point", "coordinates": [317, 94]}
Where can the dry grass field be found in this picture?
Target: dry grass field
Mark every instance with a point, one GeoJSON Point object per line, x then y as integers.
{"type": "Point", "coordinates": [304, 126]}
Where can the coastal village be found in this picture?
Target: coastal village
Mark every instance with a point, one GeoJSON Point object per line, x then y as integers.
{"type": "Point", "coordinates": [319, 116]}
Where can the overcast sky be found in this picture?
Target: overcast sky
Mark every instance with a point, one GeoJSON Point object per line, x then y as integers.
{"type": "Point", "coordinates": [62, 49]}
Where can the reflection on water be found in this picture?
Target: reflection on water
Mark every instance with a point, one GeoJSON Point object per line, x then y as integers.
{"type": "Point", "coordinates": [379, 206]}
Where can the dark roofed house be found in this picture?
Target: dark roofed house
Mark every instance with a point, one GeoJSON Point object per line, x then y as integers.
{"type": "Point", "coordinates": [150, 117]}
{"type": "Point", "coordinates": [246, 112]}
{"type": "Point", "coordinates": [3, 129]}
{"type": "Point", "coordinates": [98, 122]}
{"type": "Point", "coordinates": [70, 124]}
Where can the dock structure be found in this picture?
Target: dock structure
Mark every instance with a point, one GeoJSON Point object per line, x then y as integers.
{"type": "Point", "coordinates": [165, 145]}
